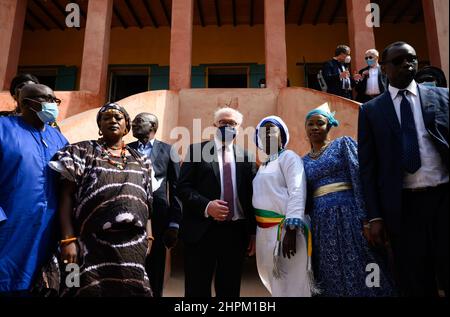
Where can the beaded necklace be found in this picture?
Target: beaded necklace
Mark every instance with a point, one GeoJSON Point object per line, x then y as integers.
{"type": "Point", "coordinates": [315, 155]}
{"type": "Point", "coordinates": [106, 154]}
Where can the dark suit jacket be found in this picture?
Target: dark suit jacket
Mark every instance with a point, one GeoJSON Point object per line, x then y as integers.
{"type": "Point", "coordinates": [379, 150]}
{"type": "Point", "coordinates": [200, 183]}
{"type": "Point", "coordinates": [361, 86]}
{"type": "Point", "coordinates": [166, 207]}
{"type": "Point", "coordinates": [330, 72]}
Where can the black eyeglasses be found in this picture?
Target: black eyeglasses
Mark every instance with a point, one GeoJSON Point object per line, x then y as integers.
{"type": "Point", "coordinates": [369, 57]}
{"type": "Point", "coordinates": [400, 59]}
{"type": "Point", "coordinates": [40, 99]}
{"type": "Point", "coordinates": [227, 123]}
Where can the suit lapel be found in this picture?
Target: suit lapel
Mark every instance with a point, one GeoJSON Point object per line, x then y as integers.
{"type": "Point", "coordinates": [428, 104]}
{"type": "Point", "coordinates": [155, 151]}
{"type": "Point", "coordinates": [381, 80]}
{"type": "Point", "coordinates": [133, 145]}
{"type": "Point", "coordinates": [387, 106]}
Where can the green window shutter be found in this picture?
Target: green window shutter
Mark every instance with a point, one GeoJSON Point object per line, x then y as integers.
{"type": "Point", "coordinates": [198, 77]}
{"type": "Point", "coordinates": [257, 71]}
{"type": "Point", "coordinates": [66, 78]}
{"type": "Point", "coordinates": [159, 77]}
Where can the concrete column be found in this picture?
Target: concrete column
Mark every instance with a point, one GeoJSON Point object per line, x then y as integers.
{"type": "Point", "coordinates": [361, 37]}
{"type": "Point", "coordinates": [435, 13]}
{"type": "Point", "coordinates": [12, 19]}
{"type": "Point", "coordinates": [94, 66]}
{"type": "Point", "coordinates": [275, 44]}
{"type": "Point", "coordinates": [181, 44]}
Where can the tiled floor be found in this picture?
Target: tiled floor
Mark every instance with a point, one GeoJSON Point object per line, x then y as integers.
{"type": "Point", "coordinates": [251, 285]}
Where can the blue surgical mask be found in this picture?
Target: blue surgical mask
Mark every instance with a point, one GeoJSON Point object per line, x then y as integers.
{"type": "Point", "coordinates": [49, 112]}
{"type": "Point", "coordinates": [429, 83]}
{"type": "Point", "coordinates": [370, 62]}
{"type": "Point", "coordinates": [226, 134]}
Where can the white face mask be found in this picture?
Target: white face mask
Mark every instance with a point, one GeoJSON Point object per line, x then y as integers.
{"type": "Point", "coordinates": [348, 59]}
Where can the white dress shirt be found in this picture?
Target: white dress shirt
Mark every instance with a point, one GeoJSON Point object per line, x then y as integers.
{"type": "Point", "coordinates": [432, 171]}
{"type": "Point", "coordinates": [147, 148]}
{"type": "Point", "coordinates": [238, 213]}
{"type": "Point", "coordinates": [372, 87]}
{"type": "Point", "coordinates": [346, 82]}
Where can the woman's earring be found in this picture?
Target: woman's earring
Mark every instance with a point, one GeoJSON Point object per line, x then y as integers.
{"type": "Point", "coordinates": [100, 132]}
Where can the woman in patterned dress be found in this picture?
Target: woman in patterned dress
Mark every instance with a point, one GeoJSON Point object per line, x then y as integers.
{"type": "Point", "coordinates": [105, 210]}
{"type": "Point", "coordinates": [341, 254]}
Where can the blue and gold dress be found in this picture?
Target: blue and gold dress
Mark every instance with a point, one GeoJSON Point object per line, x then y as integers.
{"type": "Point", "coordinates": [343, 263]}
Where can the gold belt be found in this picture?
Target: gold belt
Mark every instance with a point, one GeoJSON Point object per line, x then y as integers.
{"type": "Point", "coordinates": [331, 188]}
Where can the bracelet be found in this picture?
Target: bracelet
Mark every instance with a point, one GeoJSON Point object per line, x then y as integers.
{"type": "Point", "coordinates": [150, 238]}
{"type": "Point", "coordinates": [68, 241]}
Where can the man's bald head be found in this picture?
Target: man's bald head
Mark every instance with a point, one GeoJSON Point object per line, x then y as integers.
{"type": "Point", "coordinates": [31, 98]}
{"type": "Point", "coordinates": [32, 91]}
{"type": "Point", "coordinates": [147, 116]}
{"type": "Point", "coordinates": [144, 126]}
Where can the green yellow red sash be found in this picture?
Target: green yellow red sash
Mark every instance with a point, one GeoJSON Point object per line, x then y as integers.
{"type": "Point", "coordinates": [269, 218]}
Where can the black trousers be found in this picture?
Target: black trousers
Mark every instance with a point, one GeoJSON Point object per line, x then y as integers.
{"type": "Point", "coordinates": [155, 266]}
{"type": "Point", "coordinates": [421, 251]}
{"type": "Point", "coordinates": [221, 251]}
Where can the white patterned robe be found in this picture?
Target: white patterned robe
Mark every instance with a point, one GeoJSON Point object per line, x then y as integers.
{"type": "Point", "coordinates": [280, 186]}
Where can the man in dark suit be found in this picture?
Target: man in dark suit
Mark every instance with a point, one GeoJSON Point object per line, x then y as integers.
{"type": "Point", "coordinates": [431, 76]}
{"type": "Point", "coordinates": [336, 74]}
{"type": "Point", "coordinates": [370, 81]}
{"type": "Point", "coordinates": [403, 155]}
{"type": "Point", "coordinates": [219, 223]}
{"type": "Point", "coordinates": [167, 213]}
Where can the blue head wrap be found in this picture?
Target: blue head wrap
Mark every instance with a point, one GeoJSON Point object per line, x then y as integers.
{"type": "Point", "coordinates": [332, 122]}
{"type": "Point", "coordinates": [278, 122]}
